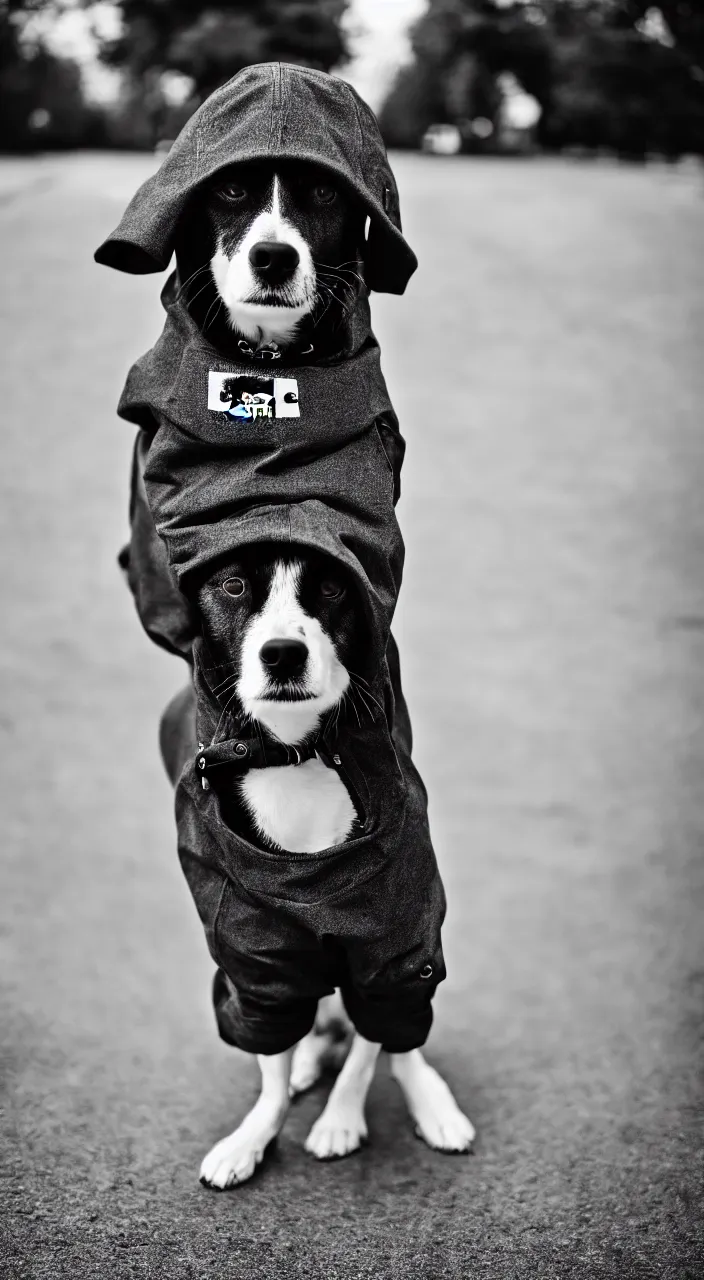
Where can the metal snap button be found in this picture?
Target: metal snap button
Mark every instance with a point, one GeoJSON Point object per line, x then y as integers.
{"type": "Point", "coordinates": [336, 760]}
{"type": "Point", "coordinates": [205, 784]}
{"type": "Point", "coordinates": [201, 746]}
{"type": "Point", "coordinates": [241, 748]}
{"type": "Point", "coordinates": [201, 762]}
{"type": "Point", "coordinates": [426, 971]}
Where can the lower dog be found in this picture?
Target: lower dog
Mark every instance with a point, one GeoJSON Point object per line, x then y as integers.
{"type": "Point", "coordinates": [285, 629]}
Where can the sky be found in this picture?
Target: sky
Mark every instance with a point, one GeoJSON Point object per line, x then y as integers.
{"type": "Point", "coordinates": [377, 28]}
{"type": "Point", "coordinates": [380, 43]}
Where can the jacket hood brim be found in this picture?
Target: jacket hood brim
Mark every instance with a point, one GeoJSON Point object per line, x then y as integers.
{"type": "Point", "coordinates": [270, 111]}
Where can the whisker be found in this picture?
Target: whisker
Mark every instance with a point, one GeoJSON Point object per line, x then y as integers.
{"type": "Point", "coordinates": [354, 707]}
{"type": "Point", "coordinates": [217, 300]}
{"type": "Point", "coordinates": [368, 693]}
{"type": "Point", "coordinates": [192, 277]}
{"type": "Point", "coordinates": [229, 703]}
{"type": "Point", "coordinates": [227, 690]}
{"type": "Point", "coordinates": [232, 675]}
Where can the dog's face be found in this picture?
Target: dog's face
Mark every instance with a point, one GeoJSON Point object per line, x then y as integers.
{"type": "Point", "coordinates": [283, 631]}
{"type": "Point", "coordinates": [282, 246]}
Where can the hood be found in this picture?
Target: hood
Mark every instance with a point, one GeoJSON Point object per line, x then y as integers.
{"type": "Point", "coordinates": [277, 112]}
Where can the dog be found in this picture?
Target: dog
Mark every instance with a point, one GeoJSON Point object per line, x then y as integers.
{"type": "Point", "coordinates": [274, 261]}
{"type": "Point", "coordinates": [268, 253]}
{"type": "Point", "coordinates": [284, 633]}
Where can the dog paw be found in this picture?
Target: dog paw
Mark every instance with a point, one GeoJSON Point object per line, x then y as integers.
{"type": "Point", "coordinates": [451, 1133]}
{"type": "Point", "coordinates": [438, 1119]}
{"type": "Point", "coordinates": [336, 1134]}
{"type": "Point", "coordinates": [233, 1160]}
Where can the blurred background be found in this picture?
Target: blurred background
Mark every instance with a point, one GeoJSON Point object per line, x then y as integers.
{"type": "Point", "coordinates": [546, 366]}
{"type": "Point", "coordinates": [621, 76]}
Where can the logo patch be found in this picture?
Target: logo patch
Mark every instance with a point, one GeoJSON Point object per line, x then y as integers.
{"type": "Point", "coordinates": [246, 398]}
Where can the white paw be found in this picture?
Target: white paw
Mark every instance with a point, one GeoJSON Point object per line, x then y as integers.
{"type": "Point", "coordinates": [438, 1119]}
{"type": "Point", "coordinates": [336, 1133]}
{"type": "Point", "coordinates": [233, 1160]}
{"type": "Point", "coordinates": [450, 1132]}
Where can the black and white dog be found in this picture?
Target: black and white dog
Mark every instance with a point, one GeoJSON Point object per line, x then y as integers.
{"type": "Point", "coordinates": [272, 257]}
{"type": "Point", "coordinates": [271, 261]}
{"type": "Point", "coordinates": [285, 629]}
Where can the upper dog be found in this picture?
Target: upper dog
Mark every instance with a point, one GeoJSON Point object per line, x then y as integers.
{"type": "Point", "coordinates": [269, 251]}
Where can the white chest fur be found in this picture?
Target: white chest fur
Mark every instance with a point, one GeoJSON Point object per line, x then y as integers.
{"type": "Point", "coordinates": [302, 808]}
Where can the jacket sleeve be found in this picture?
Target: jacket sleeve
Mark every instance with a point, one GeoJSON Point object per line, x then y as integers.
{"type": "Point", "coordinates": [163, 610]}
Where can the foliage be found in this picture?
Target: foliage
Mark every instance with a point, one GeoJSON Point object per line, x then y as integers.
{"type": "Point", "coordinates": [210, 43]}
{"type": "Point", "coordinates": [600, 78]}
{"type": "Point", "coordinates": [41, 98]}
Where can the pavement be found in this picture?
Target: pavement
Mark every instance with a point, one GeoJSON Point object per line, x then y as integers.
{"type": "Point", "coordinates": [546, 364]}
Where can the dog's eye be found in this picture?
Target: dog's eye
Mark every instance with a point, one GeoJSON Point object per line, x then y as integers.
{"type": "Point", "coordinates": [331, 590]}
{"type": "Point", "coordinates": [233, 192]}
{"type": "Point", "coordinates": [323, 194]}
{"type": "Point", "coordinates": [234, 587]}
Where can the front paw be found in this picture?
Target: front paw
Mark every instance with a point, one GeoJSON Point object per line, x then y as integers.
{"type": "Point", "coordinates": [437, 1117]}
{"type": "Point", "coordinates": [233, 1160]}
{"type": "Point", "coordinates": [336, 1134]}
{"type": "Point", "coordinates": [453, 1132]}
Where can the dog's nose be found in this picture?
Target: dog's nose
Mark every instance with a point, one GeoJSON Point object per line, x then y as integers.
{"type": "Point", "coordinates": [273, 260]}
{"type": "Point", "coordinates": [284, 658]}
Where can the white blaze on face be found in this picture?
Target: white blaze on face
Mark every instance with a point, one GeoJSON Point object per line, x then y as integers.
{"type": "Point", "coordinates": [239, 287]}
{"type": "Point", "coordinates": [324, 678]}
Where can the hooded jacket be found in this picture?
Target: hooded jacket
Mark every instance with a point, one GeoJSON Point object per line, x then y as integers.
{"type": "Point", "coordinates": [270, 111]}
{"type": "Point", "coordinates": [229, 455]}
{"type": "Point", "coordinates": [284, 928]}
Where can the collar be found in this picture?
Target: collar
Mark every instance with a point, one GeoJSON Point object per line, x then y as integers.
{"type": "Point", "coordinates": [270, 351]}
{"type": "Point", "coordinates": [255, 751]}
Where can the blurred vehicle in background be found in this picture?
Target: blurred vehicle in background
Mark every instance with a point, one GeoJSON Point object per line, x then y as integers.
{"type": "Point", "coordinates": [442, 140]}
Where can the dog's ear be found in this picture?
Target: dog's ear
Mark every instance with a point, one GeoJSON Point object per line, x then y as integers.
{"type": "Point", "coordinates": [388, 260]}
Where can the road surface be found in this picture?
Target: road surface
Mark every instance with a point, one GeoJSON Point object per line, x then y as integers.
{"type": "Point", "coordinates": [547, 364]}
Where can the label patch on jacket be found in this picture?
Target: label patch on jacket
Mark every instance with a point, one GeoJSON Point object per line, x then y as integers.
{"type": "Point", "coordinates": [246, 398]}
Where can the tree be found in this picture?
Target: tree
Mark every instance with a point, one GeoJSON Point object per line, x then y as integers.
{"type": "Point", "coordinates": [601, 76]}
{"type": "Point", "coordinates": [461, 46]}
{"type": "Point", "coordinates": [210, 43]}
{"type": "Point", "coordinates": [41, 98]}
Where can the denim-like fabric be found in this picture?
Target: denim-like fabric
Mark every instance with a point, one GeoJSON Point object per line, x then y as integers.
{"type": "Point", "coordinates": [285, 929]}
{"type": "Point", "coordinates": [327, 479]}
{"type": "Point", "coordinates": [270, 111]}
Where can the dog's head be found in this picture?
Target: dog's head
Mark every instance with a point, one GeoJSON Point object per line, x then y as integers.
{"type": "Point", "coordinates": [271, 250]}
{"type": "Point", "coordinates": [284, 628]}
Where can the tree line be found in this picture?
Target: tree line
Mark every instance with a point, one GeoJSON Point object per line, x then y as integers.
{"type": "Point", "coordinates": [616, 74]}
{"type": "Point", "coordinates": [164, 46]}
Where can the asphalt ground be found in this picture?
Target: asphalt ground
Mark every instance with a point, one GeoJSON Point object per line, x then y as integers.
{"type": "Point", "coordinates": [547, 364]}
